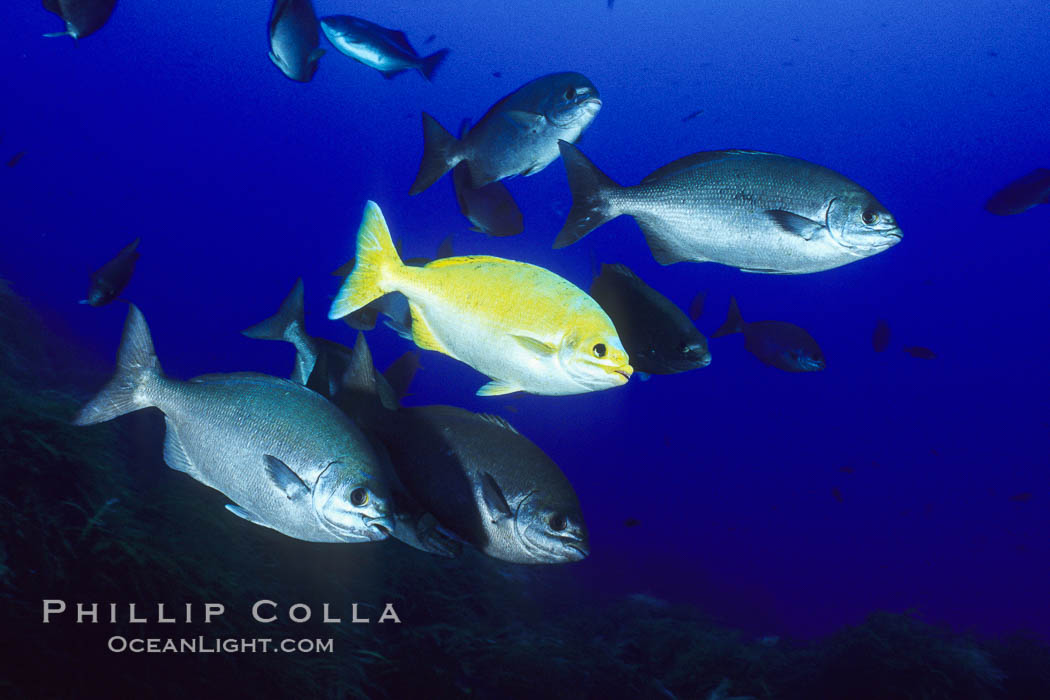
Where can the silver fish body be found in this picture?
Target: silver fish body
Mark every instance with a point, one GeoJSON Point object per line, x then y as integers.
{"type": "Point", "coordinates": [295, 39]}
{"type": "Point", "coordinates": [491, 208]}
{"type": "Point", "coordinates": [386, 50]}
{"type": "Point", "coordinates": [287, 457]}
{"type": "Point", "coordinates": [759, 212]}
{"type": "Point", "coordinates": [517, 136]}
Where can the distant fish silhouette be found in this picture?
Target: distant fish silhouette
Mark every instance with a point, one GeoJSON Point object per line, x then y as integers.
{"type": "Point", "coordinates": [836, 494]}
{"type": "Point", "coordinates": [692, 115]}
{"type": "Point", "coordinates": [1022, 194]}
{"type": "Point", "coordinates": [82, 17]}
{"type": "Point", "coordinates": [880, 338]}
{"type": "Point", "coordinates": [632, 522]}
{"type": "Point", "coordinates": [696, 307]}
{"type": "Point", "coordinates": [777, 343]}
{"type": "Point", "coordinates": [497, 74]}
{"type": "Point", "coordinates": [15, 158]}
{"type": "Point", "coordinates": [110, 280]}
{"type": "Point", "coordinates": [430, 38]}
{"type": "Point", "coordinates": [920, 352]}
{"type": "Point", "coordinates": [1021, 497]}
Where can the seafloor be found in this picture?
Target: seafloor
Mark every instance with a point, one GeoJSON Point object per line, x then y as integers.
{"type": "Point", "coordinates": [93, 515]}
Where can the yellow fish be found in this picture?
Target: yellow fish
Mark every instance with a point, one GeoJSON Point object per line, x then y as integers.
{"type": "Point", "coordinates": [525, 327]}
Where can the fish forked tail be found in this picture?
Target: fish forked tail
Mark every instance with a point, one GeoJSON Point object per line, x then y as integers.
{"type": "Point", "coordinates": [440, 154]}
{"type": "Point", "coordinates": [590, 191]}
{"type": "Point", "coordinates": [137, 368]}
{"type": "Point", "coordinates": [281, 325]}
{"type": "Point", "coordinates": [428, 64]}
{"type": "Point", "coordinates": [376, 265]}
{"type": "Point", "coordinates": [734, 321]}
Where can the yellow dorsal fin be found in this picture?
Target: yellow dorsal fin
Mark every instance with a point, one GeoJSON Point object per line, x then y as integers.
{"type": "Point", "coordinates": [464, 260]}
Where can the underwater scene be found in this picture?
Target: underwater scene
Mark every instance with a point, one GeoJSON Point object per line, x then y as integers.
{"type": "Point", "coordinates": [581, 349]}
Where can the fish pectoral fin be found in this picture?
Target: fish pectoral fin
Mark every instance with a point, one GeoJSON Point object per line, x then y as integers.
{"type": "Point", "coordinates": [497, 388]}
{"type": "Point", "coordinates": [790, 222]}
{"type": "Point", "coordinates": [175, 454]}
{"type": "Point", "coordinates": [277, 61]}
{"type": "Point", "coordinates": [315, 56]}
{"type": "Point", "coordinates": [494, 498]}
{"type": "Point", "coordinates": [643, 376]}
{"type": "Point", "coordinates": [535, 346]}
{"type": "Point", "coordinates": [422, 334]}
{"type": "Point", "coordinates": [527, 120]}
{"type": "Point", "coordinates": [247, 515]}
{"type": "Point", "coordinates": [284, 478]}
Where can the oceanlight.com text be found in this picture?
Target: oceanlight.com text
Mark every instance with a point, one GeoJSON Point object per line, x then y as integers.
{"type": "Point", "coordinates": [218, 645]}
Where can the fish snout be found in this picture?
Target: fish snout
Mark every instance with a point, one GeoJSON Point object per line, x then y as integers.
{"type": "Point", "coordinates": [699, 353]}
{"type": "Point", "coordinates": [380, 528]}
{"type": "Point", "coordinates": [575, 549]}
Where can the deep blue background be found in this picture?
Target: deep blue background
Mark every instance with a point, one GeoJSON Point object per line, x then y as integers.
{"type": "Point", "coordinates": [172, 124]}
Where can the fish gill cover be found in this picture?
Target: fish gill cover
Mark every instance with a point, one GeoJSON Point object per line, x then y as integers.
{"type": "Point", "coordinates": [876, 528]}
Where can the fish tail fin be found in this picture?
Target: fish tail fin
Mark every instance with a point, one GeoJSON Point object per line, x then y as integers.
{"type": "Point", "coordinates": [734, 321]}
{"type": "Point", "coordinates": [278, 326]}
{"type": "Point", "coordinates": [137, 368]}
{"type": "Point", "coordinates": [376, 266]}
{"type": "Point", "coordinates": [590, 191]}
{"type": "Point", "coordinates": [428, 64]}
{"type": "Point", "coordinates": [440, 154]}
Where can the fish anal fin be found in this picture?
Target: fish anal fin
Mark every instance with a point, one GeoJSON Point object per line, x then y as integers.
{"type": "Point", "coordinates": [422, 334]}
{"type": "Point", "coordinates": [662, 252]}
{"type": "Point", "coordinates": [175, 455]}
{"type": "Point", "coordinates": [247, 515]}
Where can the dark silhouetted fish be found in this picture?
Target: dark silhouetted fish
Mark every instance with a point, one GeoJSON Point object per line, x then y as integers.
{"type": "Point", "coordinates": [518, 135]}
{"type": "Point", "coordinates": [401, 372]}
{"type": "Point", "coordinates": [696, 307]}
{"type": "Point", "coordinates": [777, 343]}
{"type": "Point", "coordinates": [658, 336]}
{"type": "Point", "coordinates": [287, 457]}
{"type": "Point", "coordinates": [920, 352]}
{"type": "Point", "coordinates": [295, 39]}
{"type": "Point", "coordinates": [759, 212]}
{"type": "Point", "coordinates": [497, 74]}
{"type": "Point", "coordinates": [880, 337]}
{"type": "Point", "coordinates": [386, 50]}
{"type": "Point", "coordinates": [491, 208]}
{"type": "Point", "coordinates": [15, 159]}
{"type": "Point", "coordinates": [430, 38]}
{"type": "Point", "coordinates": [109, 280]}
{"type": "Point", "coordinates": [82, 17]}
{"type": "Point", "coordinates": [692, 115]}
{"type": "Point", "coordinates": [1022, 194]}
{"type": "Point", "coordinates": [632, 522]}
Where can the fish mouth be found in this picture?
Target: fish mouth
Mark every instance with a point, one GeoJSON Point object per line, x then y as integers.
{"type": "Point", "coordinates": [576, 551]}
{"type": "Point", "coordinates": [811, 365]}
{"type": "Point", "coordinates": [624, 372]}
{"type": "Point", "coordinates": [379, 528]}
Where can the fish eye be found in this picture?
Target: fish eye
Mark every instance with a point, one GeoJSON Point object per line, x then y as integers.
{"type": "Point", "coordinates": [359, 496]}
{"type": "Point", "coordinates": [599, 350]}
{"type": "Point", "coordinates": [570, 92]}
{"type": "Point", "coordinates": [558, 523]}
{"type": "Point", "coordinates": [869, 216]}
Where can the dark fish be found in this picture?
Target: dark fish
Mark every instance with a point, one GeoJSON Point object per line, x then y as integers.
{"type": "Point", "coordinates": [780, 215]}
{"type": "Point", "coordinates": [82, 17]}
{"type": "Point", "coordinates": [836, 494]}
{"type": "Point", "coordinates": [109, 280]}
{"type": "Point", "coordinates": [288, 325]}
{"type": "Point", "coordinates": [1021, 497]}
{"type": "Point", "coordinates": [484, 482]}
{"type": "Point", "coordinates": [287, 457]}
{"type": "Point", "coordinates": [386, 50]}
{"type": "Point", "coordinates": [696, 307]}
{"type": "Point", "coordinates": [847, 469]}
{"type": "Point", "coordinates": [15, 158]}
{"type": "Point", "coordinates": [401, 372]}
{"type": "Point", "coordinates": [497, 74]}
{"type": "Point", "coordinates": [880, 338]}
{"type": "Point", "coordinates": [776, 343]}
{"type": "Point", "coordinates": [445, 249]}
{"type": "Point", "coordinates": [692, 115]}
{"type": "Point", "coordinates": [430, 38]}
{"type": "Point", "coordinates": [657, 336]}
{"type": "Point", "coordinates": [920, 352]}
{"type": "Point", "coordinates": [632, 522]}
{"type": "Point", "coordinates": [295, 39]}
{"type": "Point", "coordinates": [491, 208]}
{"type": "Point", "coordinates": [1022, 194]}
{"type": "Point", "coordinates": [518, 135]}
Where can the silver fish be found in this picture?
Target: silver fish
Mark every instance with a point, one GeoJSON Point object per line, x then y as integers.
{"type": "Point", "coordinates": [759, 212]}
{"type": "Point", "coordinates": [295, 39]}
{"type": "Point", "coordinates": [517, 136]}
{"type": "Point", "coordinates": [386, 50]}
{"type": "Point", "coordinates": [82, 17]}
{"type": "Point", "coordinates": [491, 208]}
{"type": "Point", "coordinates": [287, 457]}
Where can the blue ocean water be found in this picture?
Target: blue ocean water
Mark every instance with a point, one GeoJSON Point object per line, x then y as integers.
{"type": "Point", "coordinates": [778, 503]}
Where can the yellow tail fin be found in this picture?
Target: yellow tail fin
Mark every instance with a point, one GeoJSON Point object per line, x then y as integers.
{"type": "Point", "coordinates": [376, 266]}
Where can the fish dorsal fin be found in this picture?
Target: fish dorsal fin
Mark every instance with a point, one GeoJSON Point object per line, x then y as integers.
{"type": "Point", "coordinates": [498, 421]}
{"type": "Point", "coordinates": [699, 159]}
{"type": "Point", "coordinates": [360, 373]}
{"type": "Point", "coordinates": [790, 222]}
{"type": "Point", "coordinates": [445, 250]}
{"type": "Point", "coordinates": [282, 476]}
{"type": "Point", "coordinates": [401, 39]}
{"type": "Point", "coordinates": [463, 260]}
{"type": "Point", "coordinates": [494, 498]}
{"type": "Point", "coordinates": [622, 270]}
{"type": "Point", "coordinates": [422, 334]}
{"type": "Point", "coordinates": [464, 128]}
